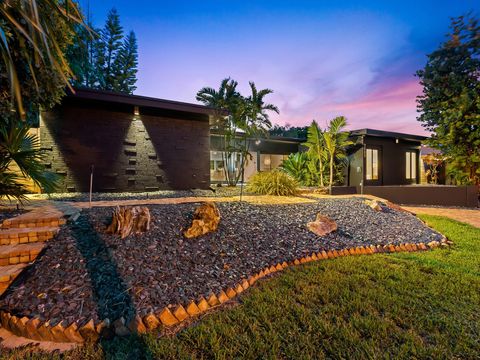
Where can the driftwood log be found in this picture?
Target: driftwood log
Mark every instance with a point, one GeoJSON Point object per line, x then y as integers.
{"type": "Point", "coordinates": [129, 219]}
{"type": "Point", "coordinates": [205, 219]}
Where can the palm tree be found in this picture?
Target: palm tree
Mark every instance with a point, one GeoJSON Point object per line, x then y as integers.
{"type": "Point", "coordinates": [256, 120]}
{"type": "Point", "coordinates": [29, 23]}
{"type": "Point", "coordinates": [336, 141]}
{"type": "Point", "coordinates": [257, 117]}
{"type": "Point", "coordinates": [316, 147]}
{"type": "Point", "coordinates": [228, 118]}
{"type": "Point", "coordinates": [21, 160]}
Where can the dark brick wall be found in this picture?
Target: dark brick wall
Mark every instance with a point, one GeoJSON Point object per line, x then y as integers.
{"type": "Point", "coordinates": [129, 153]}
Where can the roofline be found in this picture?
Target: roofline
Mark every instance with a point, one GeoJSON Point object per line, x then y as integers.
{"type": "Point", "coordinates": [138, 100]}
{"type": "Point", "coordinates": [271, 138]}
{"type": "Point", "coordinates": [389, 134]}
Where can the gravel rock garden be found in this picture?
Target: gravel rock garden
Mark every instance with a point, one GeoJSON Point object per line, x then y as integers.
{"type": "Point", "coordinates": [87, 274]}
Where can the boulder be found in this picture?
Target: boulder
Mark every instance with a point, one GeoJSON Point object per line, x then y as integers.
{"type": "Point", "coordinates": [394, 206]}
{"type": "Point", "coordinates": [205, 219]}
{"type": "Point", "coordinates": [323, 225]}
{"type": "Point", "coordinates": [374, 204]}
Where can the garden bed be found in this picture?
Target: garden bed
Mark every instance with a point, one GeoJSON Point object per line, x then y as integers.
{"type": "Point", "coordinates": [86, 274]}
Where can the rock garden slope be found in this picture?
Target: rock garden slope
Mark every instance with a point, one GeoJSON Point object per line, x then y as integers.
{"type": "Point", "coordinates": [86, 274]}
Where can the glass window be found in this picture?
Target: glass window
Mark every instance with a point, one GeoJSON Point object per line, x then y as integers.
{"type": "Point", "coordinates": [371, 164]}
{"type": "Point", "coordinates": [220, 165]}
{"type": "Point", "coordinates": [411, 165]}
{"type": "Point", "coordinates": [408, 166]}
{"type": "Point", "coordinates": [212, 164]}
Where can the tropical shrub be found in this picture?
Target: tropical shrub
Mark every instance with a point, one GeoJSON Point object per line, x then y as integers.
{"type": "Point", "coordinates": [272, 183]}
{"type": "Point", "coordinates": [20, 161]}
{"type": "Point", "coordinates": [317, 153]}
{"type": "Point", "coordinates": [296, 166]}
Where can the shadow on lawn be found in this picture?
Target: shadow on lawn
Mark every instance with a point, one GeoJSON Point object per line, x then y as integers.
{"type": "Point", "coordinates": [110, 291]}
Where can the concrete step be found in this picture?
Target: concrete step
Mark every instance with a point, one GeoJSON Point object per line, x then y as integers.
{"type": "Point", "coordinates": [15, 236]}
{"type": "Point", "coordinates": [8, 274]}
{"type": "Point", "coordinates": [20, 253]}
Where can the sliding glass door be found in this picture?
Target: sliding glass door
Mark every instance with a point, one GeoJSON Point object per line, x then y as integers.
{"type": "Point", "coordinates": [372, 165]}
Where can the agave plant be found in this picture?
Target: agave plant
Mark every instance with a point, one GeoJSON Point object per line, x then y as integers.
{"type": "Point", "coordinates": [21, 161]}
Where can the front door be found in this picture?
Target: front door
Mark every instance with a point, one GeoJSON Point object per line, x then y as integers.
{"type": "Point", "coordinates": [372, 166]}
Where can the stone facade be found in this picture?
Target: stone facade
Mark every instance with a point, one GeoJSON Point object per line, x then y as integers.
{"type": "Point", "coordinates": [129, 152]}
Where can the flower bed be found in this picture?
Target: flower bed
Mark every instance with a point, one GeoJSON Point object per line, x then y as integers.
{"type": "Point", "coordinates": [86, 274]}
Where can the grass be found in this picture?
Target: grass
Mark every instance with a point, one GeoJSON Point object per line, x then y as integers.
{"type": "Point", "coordinates": [423, 305]}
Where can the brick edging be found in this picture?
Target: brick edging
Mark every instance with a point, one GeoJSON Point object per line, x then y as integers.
{"type": "Point", "coordinates": [33, 328]}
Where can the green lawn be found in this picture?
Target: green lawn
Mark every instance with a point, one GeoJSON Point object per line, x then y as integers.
{"type": "Point", "coordinates": [398, 306]}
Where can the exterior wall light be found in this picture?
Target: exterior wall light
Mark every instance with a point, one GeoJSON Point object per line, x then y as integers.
{"type": "Point", "coordinates": [396, 141]}
{"type": "Point", "coordinates": [267, 161]}
{"type": "Point", "coordinates": [136, 111]}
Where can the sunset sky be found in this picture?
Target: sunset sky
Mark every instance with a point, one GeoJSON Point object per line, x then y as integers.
{"type": "Point", "coordinates": [321, 58]}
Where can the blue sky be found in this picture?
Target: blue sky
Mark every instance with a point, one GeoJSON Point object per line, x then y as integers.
{"type": "Point", "coordinates": [321, 58]}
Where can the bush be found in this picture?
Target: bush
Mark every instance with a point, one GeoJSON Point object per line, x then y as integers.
{"type": "Point", "coordinates": [272, 183]}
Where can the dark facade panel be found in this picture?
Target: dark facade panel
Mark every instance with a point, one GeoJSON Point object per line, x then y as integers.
{"type": "Point", "coordinates": [392, 163]}
{"type": "Point", "coordinates": [128, 152]}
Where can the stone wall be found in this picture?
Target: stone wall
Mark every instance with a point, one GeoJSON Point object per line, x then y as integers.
{"type": "Point", "coordinates": [129, 152]}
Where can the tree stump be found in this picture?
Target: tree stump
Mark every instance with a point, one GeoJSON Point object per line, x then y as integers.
{"type": "Point", "coordinates": [205, 219]}
{"type": "Point", "coordinates": [127, 220]}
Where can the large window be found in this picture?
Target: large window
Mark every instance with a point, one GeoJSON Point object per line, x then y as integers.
{"type": "Point", "coordinates": [372, 164]}
{"type": "Point", "coordinates": [411, 165]}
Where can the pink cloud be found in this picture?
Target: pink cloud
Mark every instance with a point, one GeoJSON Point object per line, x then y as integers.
{"type": "Point", "coordinates": [391, 105]}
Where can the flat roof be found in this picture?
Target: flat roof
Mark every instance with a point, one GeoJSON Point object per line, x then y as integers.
{"type": "Point", "coordinates": [389, 134]}
{"type": "Point", "coordinates": [268, 138]}
{"type": "Point", "coordinates": [137, 100]}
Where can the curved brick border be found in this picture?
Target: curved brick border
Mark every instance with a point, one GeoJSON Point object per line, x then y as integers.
{"type": "Point", "coordinates": [33, 328]}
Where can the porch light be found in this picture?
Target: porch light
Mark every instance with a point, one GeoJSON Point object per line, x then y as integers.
{"type": "Point", "coordinates": [267, 161]}
{"type": "Point", "coordinates": [136, 111]}
{"type": "Point", "coordinates": [396, 141]}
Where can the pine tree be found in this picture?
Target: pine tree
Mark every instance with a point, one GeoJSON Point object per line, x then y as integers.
{"type": "Point", "coordinates": [110, 45]}
{"type": "Point", "coordinates": [126, 65]}
{"type": "Point", "coordinates": [450, 104]}
{"type": "Point", "coordinates": [80, 55]}
{"type": "Point", "coordinates": [104, 59]}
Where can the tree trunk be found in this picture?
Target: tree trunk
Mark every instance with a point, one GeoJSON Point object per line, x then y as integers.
{"type": "Point", "coordinates": [331, 174]}
{"type": "Point", "coordinates": [321, 168]}
{"type": "Point", "coordinates": [127, 220]}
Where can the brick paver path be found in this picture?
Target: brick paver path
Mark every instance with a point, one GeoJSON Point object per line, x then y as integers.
{"type": "Point", "coordinates": [469, 216]}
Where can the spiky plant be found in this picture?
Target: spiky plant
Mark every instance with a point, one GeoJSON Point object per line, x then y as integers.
{"type": "Point", "coordinates": [274, 182]}
{"type": "Point", "coordinates": [296, 166]}
{"type": "Point", "coordinates": [20, 161]}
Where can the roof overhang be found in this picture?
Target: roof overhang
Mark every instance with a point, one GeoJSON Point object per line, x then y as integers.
{"type": "Point", "coordinates": [112, 98]}
{"type": "Point", "coordinates": [387, 134]}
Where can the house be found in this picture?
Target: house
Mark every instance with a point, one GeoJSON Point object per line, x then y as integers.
{"type": "Point", "coordinates": [383, 158]}
{"type": "Point", "coordinates": [266, 154]}
{"type": "Point", "coordinates": [133, 143]}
